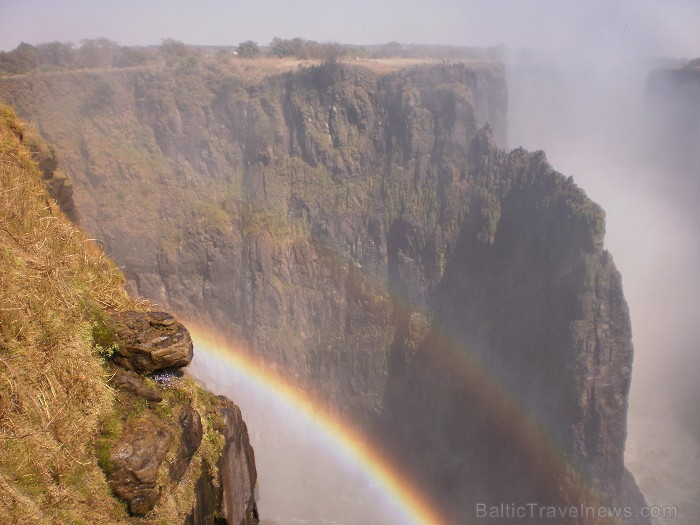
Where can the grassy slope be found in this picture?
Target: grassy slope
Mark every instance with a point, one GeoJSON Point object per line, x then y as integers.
{"type": "Point", "coordinates": [54, 398]}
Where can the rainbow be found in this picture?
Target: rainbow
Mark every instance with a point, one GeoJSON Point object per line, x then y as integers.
{"type": "Point", "coordinates": [396, 487]}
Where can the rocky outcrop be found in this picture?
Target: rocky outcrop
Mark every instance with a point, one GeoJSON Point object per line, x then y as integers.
{"type": "Point", "coordinates": [523, 373]}
{"type": "Point", "coordinates": [135, 460]}
{"type": "Point", "coordinates": [149, 341]}
{"type": "Point", "coordinates": [235, 481]}
{"type": "Point", "coordinates": [159, 444]}
{"type": "Point", "coordinates": [58, 184]}
{"type": "Point", "coordinates": [191, 427]}
{"type": "Point", "coordinates": [233, 493]}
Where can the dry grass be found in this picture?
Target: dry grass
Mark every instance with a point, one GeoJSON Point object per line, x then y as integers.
{"type": "Point", "coordinates": [256, 69]}
{"type": "Point", "coordinates": [54, 399]}
{"type": "Point", "coordinates": [53, 284]}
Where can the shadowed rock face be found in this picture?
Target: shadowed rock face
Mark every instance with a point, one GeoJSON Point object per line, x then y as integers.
{"type": "Point", "coordinates": [58, 184]}
{"type": "Point", "coordinates": [132, 383]}
{"type": "Point", "coordinates": [358, 231]}
{"type": "Point", "coordinates": [235, 485]}
{"type": "Point", "coordinates": [233, 493]}
{"type": "Point", "coordinates": [523, 373]}
{"type": "Point", "coordinates": [190, 438]}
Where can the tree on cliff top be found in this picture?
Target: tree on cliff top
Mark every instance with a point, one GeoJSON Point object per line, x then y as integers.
{"type": "Point", "coordinates": [330, 53]}
{"type": "Point", "coordinates": [248, 49]}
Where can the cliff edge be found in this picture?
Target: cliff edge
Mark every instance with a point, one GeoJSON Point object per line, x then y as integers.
{"type": "Point", "coordinates": [98, 423]}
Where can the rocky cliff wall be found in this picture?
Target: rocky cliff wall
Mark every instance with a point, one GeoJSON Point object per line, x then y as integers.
{"type": "Point", "coordinates": [525, 341]}
{"type": "Point", "coordinates": [352, 228]}
{"type": "Point", "coordinates": [263, 206]}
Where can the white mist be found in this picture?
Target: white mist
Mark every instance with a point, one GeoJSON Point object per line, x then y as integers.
{"type": "Point", "coordinates": [586, 110]}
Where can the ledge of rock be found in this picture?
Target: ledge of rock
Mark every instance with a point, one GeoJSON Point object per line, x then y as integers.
{"type": "Point", "coordinates": [191, 425]}
{"type": "Point", "coordinates": [150, 341]}
{"type": "Point", "coordinates": [237, 468]}
{"type": "Point", "coordinates": [162, 431]}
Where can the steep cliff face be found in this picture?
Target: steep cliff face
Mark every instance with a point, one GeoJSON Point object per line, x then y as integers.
{"type": "Point", "coordinates": [263, 206]}
{"type": "Point", "coordinates": [98, 423]}
{"type": "Point", "coordinates": [525, 342]}
{"type": "Point", "coordinates": [357, 230]}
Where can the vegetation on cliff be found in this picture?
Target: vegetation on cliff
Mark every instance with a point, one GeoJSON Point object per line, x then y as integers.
{"type": "Point", "coordinates": [61, 411]}
{"type": "Point", "coordinates": [101, 53]}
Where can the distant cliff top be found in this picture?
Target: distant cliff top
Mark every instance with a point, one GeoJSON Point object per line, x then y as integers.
{"type": "Point", "coordinates": [245, 59]}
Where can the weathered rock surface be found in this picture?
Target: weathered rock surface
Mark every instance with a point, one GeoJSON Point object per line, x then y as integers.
{"type": "Point", "coordinates": [190, 438]}
{"type": "Point", "coordinates": [149, 341]}
{"type": "Point", "coordinates": [136, 458]}
{"type": "Point", "coordinates": [523, 375]}
{"type": "Point", "coordinates": [235, 481]}
{"type": "Point", "coordinates": [233, 492]}
{"type": "Point", "coordinates": [58, 183]}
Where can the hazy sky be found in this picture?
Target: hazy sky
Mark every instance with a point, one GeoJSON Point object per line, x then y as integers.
{"type": "Point", "coordinates": [667, 27]}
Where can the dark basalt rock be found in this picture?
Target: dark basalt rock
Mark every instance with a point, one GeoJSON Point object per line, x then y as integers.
{"type": "Point", "coordinates": [482, 145]}
{"type": "Point", "coordinates": [517, 390]}
{"type": "Point", "coordinates": [58, 184]}
{"type": "Point", "coordinates": [135, 459]}
{"type": "Point", "coordinates": [207, 502]}
{"type": "Point", "coordinates": [236, 481]}
{"type": "Point", "coordinates": [190, 438]}
{"type": "Point", "coordinates": [150, 341]}
{"type": "Point", "coordinates": [233, 493]}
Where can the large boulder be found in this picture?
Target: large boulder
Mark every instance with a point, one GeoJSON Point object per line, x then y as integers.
{"type": "Point", "coordinates": [139, 454]}
{"type": "Point", "coordinates": [149, 341]}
